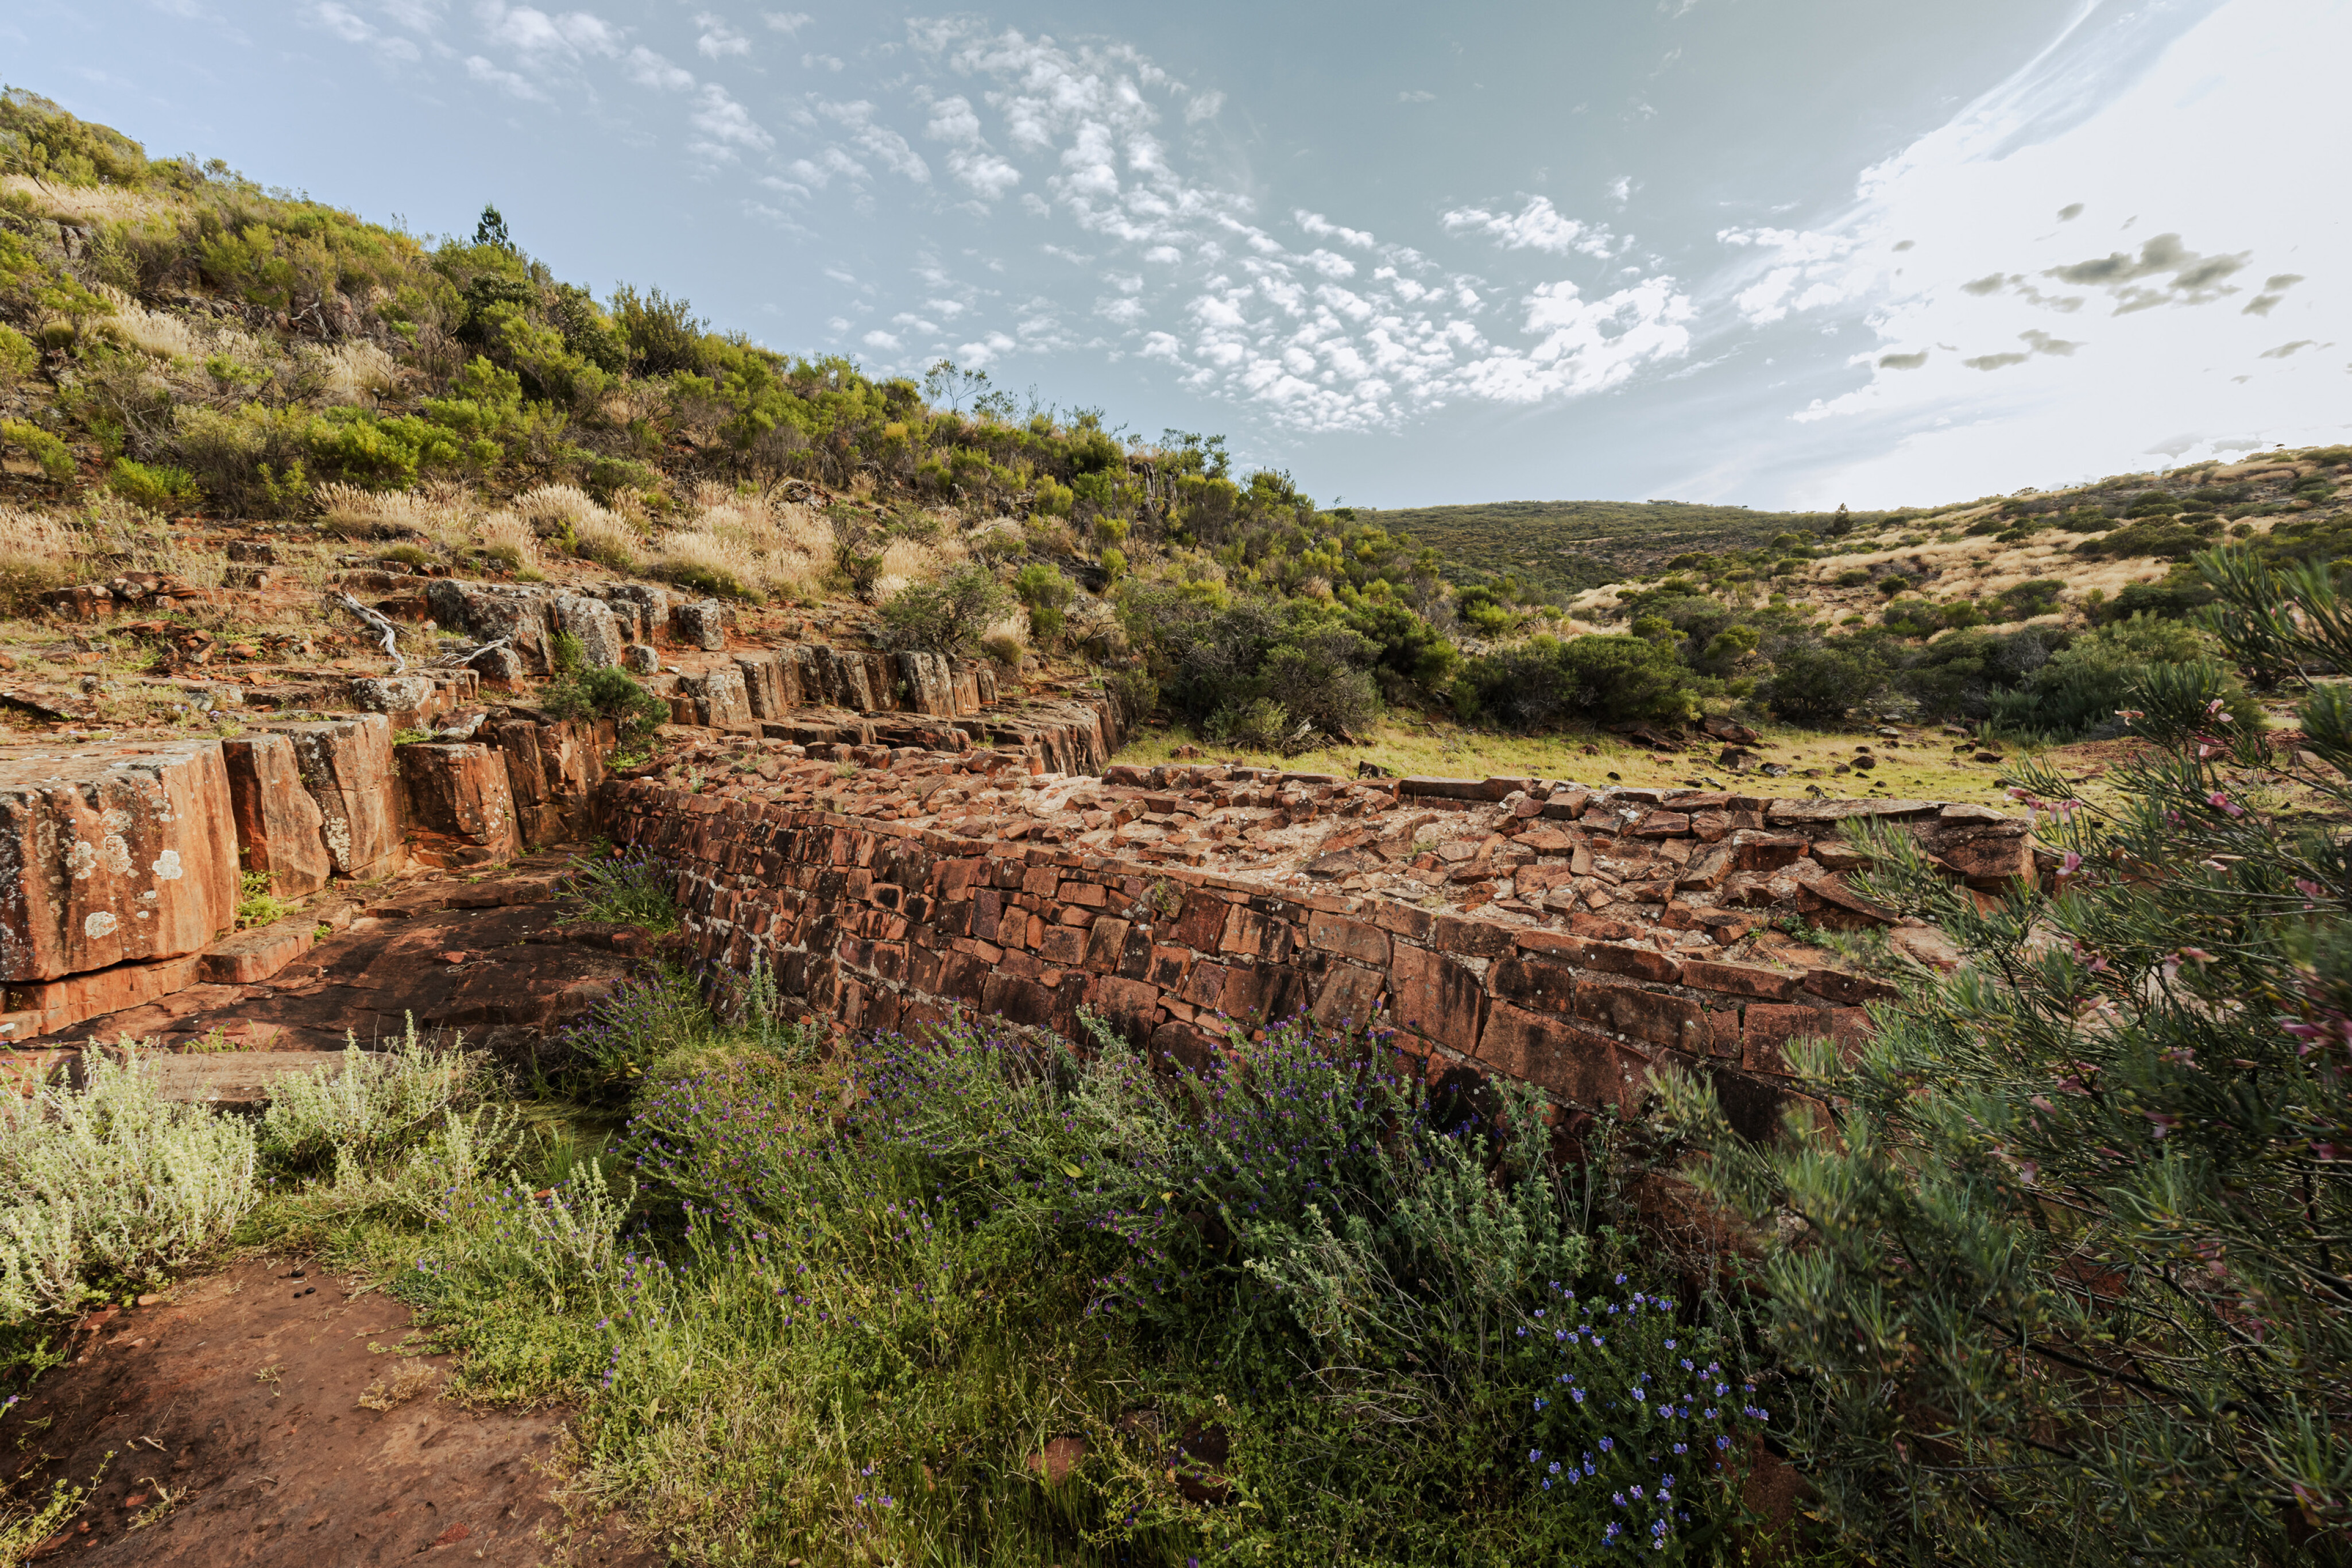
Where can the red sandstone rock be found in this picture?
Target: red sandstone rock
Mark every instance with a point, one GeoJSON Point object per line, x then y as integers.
{"type": "Point", "coordinates": [278, 823]}
{"type": "Point", "coordinates": [346, 765]}
{"type": "Point", "coordinates": [459, 803]}
{"type": "Point", "coordinates": [113, 854]}
{"type": "Point", "coordinates": [251, 956]}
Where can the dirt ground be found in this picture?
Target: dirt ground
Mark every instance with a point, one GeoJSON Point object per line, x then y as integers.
{"type": "Point", "coordinates": [225, 1426]}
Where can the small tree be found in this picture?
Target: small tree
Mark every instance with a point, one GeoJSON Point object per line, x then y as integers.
{"type": "Point", "coordinates": [949, 616]}
{"type": "Point", "coordinates": [2062, 1257]}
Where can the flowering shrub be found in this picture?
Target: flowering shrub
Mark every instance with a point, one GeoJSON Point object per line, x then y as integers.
{"type": "Point", "coordinates": [628, 887]}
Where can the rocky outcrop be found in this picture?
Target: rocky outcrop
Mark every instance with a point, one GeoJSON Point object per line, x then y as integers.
{"type": "Point", "coordinates": [110, 855]}
{"type": "Point", "coordinates": [592, 622]}
{"type": "Point", "coordinates": [278, 823]}
{"type": "Point", "coordinates": [553, 770]}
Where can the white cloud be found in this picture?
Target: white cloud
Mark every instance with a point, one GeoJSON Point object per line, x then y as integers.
{"type": "Point", "coordinates": [788, 22]}
{"type": "Point", "coordinates": [986, 174]}
{"type": "Point", "coordinates": [727, 128]}
{"type": "Point", "coordinates": [647, 69]}
{"type": "Point", "coordinates": [1416, 95]}
{"type": "Point", "coordinates": [1204, 106]}
{"type": "Point", "coordinates": [1321, 227]}
{"type": "Point", "coordinates": [883, 342]}
{"type": "Point", "coordinates": [717, 39]}
{"type": "Point", "coordinates": [1535, 226]}
{"type": "Point", "coordinates": [506, 81]}
{"type": "Point", "coordinates": [353, 29]}
{"type": "Point", "coordinates": [2087, 238]}
{"type": "Point", "coordinates": [532, 31]}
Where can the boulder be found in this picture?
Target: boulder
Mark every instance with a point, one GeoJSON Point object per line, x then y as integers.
{"type": "Point", "coordinates": [719, 699]}
{"type": "Point", "coordinates": [649, 606]}
{"type": "Point", "coordinates": [460, 806]}
{"type": "Point", "coordinates": [641, 659]}
{"type": "Point", "coordinates": [701, 625]}
{"type": "Point", "coordinates": [405, 697]}
{"type": "Point", "coordinates": [114, 856]}
{"type": "Point", "coordinates": [592, 622]}
{"type": "Point", "coordinates": [276, 821]}
{"type": "Point", "coordinates": [521, 620]}
{"type": "Point", "coordinates": [346, 765]}
{"type": "Point", "coordinates": [498, 667]}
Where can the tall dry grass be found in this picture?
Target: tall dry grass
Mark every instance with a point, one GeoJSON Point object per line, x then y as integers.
{"type": "Point", "coordinates": [748, 545]}
{"type": "Point", "coordinates": [38, 551]}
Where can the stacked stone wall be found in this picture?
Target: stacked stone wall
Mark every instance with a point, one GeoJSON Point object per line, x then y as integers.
{"type": "Point", "coordinates": [876, 924]}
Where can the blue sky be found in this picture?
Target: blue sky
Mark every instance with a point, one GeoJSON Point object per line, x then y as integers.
{"type": "Point", "coordinates": [1772, 252]}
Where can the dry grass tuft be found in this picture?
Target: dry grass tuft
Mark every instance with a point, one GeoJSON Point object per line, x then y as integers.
{"type": "Point", "coordinates": [355, 372]}
{"type": "Point", "coordinates": [748, 546]}
{"type": "Point", "coordinates": [402, 1384]}
{"type": "Point", "coordinates": [509, 540]}
{"type": "Point", "coordinates": [38, 551]}
{"type": "Point", "coordinates": [152, 332]}
{"type": "Point", "coordinates": [81, 204]}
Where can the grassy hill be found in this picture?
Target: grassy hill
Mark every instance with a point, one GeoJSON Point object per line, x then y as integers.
{"type": "Point", "coordinates": [1552, 547]}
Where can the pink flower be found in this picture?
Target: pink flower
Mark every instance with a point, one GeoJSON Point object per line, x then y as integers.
{"type": "Point", "coordinates": [2164, 1123]}
{"type": "Point", "coordinates": [2222, 803]}
{"type": "Point", "coordinates": [2070, 865]}
{"type": "Point", "coordinates": [2325, 1152]}
{"type": "Point", "coordinates": [2197, 955]}
{"type": "Point", "coordinates": [2309, 889]}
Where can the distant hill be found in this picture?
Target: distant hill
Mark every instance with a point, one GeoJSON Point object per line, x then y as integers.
{"type": "Point", "coordinates": [1558, 547]}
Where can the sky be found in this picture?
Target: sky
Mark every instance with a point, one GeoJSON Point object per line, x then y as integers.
{"type": "Point", "coordinates": [1774, 252]}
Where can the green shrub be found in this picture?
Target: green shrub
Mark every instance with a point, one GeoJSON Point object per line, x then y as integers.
{"type": "Point", "coordinates": [1818, 683]}
{"type": "Point", "coordinates": [1606, 679]}
{"type": "Point", "coordinates": [1894, 583]}
{"type": "Point", "coordinates": [1853, 577]}
{"type": "Point", "coordinates": [1259, 724]}
{"type": "Point", "coordinates": [949, 616]}
{"type": "Point", "coordinates": [629, 887]}
{"type": "Point", "coordinates": [55, 457]}
{"type": "Point", "coordinates": [2157, 536]}
{"type": "Point", "coordinates": [111, 1185]}
{"type": "Point", "coordinates": [2175, 597]}
{"type": "Point", "coordinates": [1047, 593]}
{"type": "Point", "coordinates": [18, 358]}
{"type": "Point", "coordinates": [608, 692]}
{"type": "Point", "coordinates": [2082, 689]}
{"type": "Point", "coordinates": [375, 1104]}
{"type": "Point", "coordinates": [2085, 1193]}
{"type": "Point", "coordinates": [156, 488]}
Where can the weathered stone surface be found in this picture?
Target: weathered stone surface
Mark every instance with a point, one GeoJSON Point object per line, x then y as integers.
{"type": "Point", "coordinates": [251, 956]}
{"type": "Point", "coordinates": [346, 766]}
{"type": "Point", "coordinates": [395, 695]}
{"type": "Point", "coordinates": [592, 622]}
{"type": "Point", "coordinates": [520, 619]}
{"type": "Point", "coordinates": [498, 667]}
{"type": "Point", "coordinates": [63, 1003]}
{"type": "Point", "coordinates": [459, 805]}
{"type": "Point", "coordinates": [700, 625]}
{"type": "Point", "coordinates": [763, 684]}
{"type": "Point", "coordinates": [719, 699]}
{"type": "Point", "coordinates": [651, 607]}
{"type": "Point", "coordinates": [276, 821]}
{"type": "Point", "coordinates": [106, 857]}
{"type": "Point", "coordinates": [641, 659]}
{"type": "Point", "coordinates": [929, 684]}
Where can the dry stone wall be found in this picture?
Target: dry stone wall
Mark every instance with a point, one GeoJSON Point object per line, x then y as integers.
{"type": "Point", "coordinates": [1574, 939]}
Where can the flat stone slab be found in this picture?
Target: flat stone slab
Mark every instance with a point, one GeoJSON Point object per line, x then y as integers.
{"type": "Point", "coordinates": [251, 956]}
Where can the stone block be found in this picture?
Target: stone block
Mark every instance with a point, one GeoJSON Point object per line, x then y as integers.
{"type": "Point", "coordinates": [641, 659]}
{"type": "Point", "coordinates": [1741, 980]}
{"type": "Point", "coordinates": [650, 606]}
{"type": "Point", "coordinates": [1768, 1029]}
{"type": "Point", "coordinates": [1766, 852]}
{"type": "Point", "coordinates": [346, 765]}
{"type": "Point", "coordinates": [929, 684]}
{"type": "Point", "coordinates": [1348, 993]}
{"type": "Point", "coordinates": [1650, 1016]}
{"type": "Point", "coordinates": [1587, 1068]}
{"type": "Point", "coordinates": [1536, 984]}
{"type": "Point", "coordinates": [763, 684]}
{"type": "Point", "coordinates": [700, 625]}
{"type": "Point", "coordinates": [458, 803]}
{"type": "Point", "coordinates": [592, 622]}
{"type": "Point", "coordinates": [1470, 937]}
{"type": "Point", "coordinates": [1609, 957]}
{"type": "Point", "coordinates": [1349, 938]}
{"type": "Point", "coordinates": [406, 700]}
{"type": "Point", "coordinates": [126, 855]}
{"type": "Point", "coordinates": [278, 823]}
{"type": "Point", "coordinates": [251, 956]}
{"type": "Point", "coordinates": [1438, 997]}
{"type": "Point", "coordinates": [719, 699]}
{"type": "Point", "coordinates": [62, 1003]}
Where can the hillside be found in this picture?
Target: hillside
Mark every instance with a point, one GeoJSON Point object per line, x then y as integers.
{"type": "Point", "coordinates": [1565, 547]}
{"type": "Point", "coordinates": [197, 373]}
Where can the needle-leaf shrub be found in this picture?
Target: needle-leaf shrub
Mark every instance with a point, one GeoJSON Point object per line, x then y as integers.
{"type": "Point", "coordinates": [2060, 1268]}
